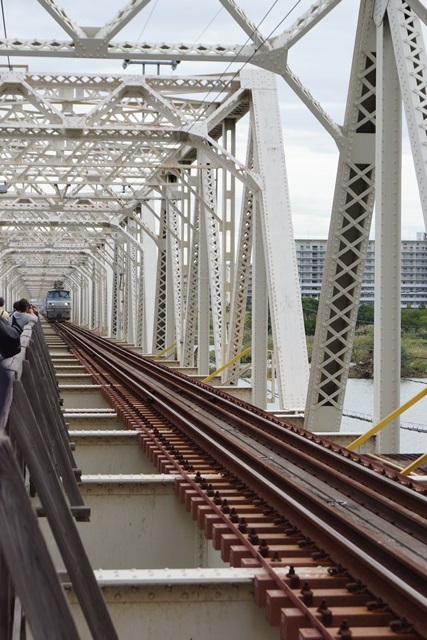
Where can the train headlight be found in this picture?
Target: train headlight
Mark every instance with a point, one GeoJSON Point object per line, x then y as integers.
{"type": "Point", "coordinates": [66, 304]}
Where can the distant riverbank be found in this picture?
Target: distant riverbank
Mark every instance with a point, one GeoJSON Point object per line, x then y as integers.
{"type": "Point", "coordinates": [413, 357]}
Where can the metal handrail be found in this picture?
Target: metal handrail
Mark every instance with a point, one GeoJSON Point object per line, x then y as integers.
{"type": "Point", "coordinates": [228, 364]}
{"type": "Point", "coordinates": [33, 440]}
{"type": "Point", "coordinates": [162, 353]}
{"type": "Point", "coordinates": [385, 421]}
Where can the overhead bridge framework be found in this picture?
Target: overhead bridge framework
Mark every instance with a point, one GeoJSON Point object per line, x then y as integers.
{"type": "Point", "coordinates": [163, 202]}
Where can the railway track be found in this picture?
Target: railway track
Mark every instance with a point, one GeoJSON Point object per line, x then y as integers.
{"type": "Point", "coordinates": [343, 540]}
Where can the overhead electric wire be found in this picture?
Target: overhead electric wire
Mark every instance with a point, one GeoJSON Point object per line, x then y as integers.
{"type": "Point", "coordinates": [222, 74]}
{"type": "Point", "coordinates": [209, 24]}
{"type": "Point", "coordinates": [148, 20]}
{"type": "Point", "coordinates": [5, 32]}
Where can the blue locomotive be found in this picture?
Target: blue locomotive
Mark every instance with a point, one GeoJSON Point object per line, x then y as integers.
{"type": "Point", "coordinates": [58, 303]}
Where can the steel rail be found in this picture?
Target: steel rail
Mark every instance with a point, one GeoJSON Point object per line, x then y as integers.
{"type": "Point", "coordinates": [386, 490]}
{"type": "Point", "coordinates": [393, 571]}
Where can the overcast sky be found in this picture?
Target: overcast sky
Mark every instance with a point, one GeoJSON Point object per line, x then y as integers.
{"type": "Point", "coordinates": [322, 60]}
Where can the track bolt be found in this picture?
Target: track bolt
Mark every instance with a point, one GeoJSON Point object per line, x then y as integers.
{"type": "Point", "coordinates": [263, 549]}
{"type": "Point", "coordinates": [293, 531]}
{"type": "Point", "coordinates": [210, 492]}
{"type": "Point", "coordinates": [325, 612]}
{"type": "Point", "coordinates": [305, 543]}
{"type": "Point", "coordinates": [338, 570]}
{"type": "Point", "coordinates": [401, 626]}
{"type": "Point", "coordinates": [234, 516]}
{"type": "Point", "coordinates": [243, 525]}
{"type": "Point", "coordinates": [294, 578]}
{"type": "Point", "coordinates": [377, 605]}
{"type": "Point", "coordinates": [356, 587]}
{"type": "Point", "coordinates": [198, 477]}
{"type": "Point", "coordinates": [307, 595]}
{"type": "Point", "coordinates": [217, 499]}
{"type": "Point", "coordinates": [276, 557]}
{"type": "Point", "coordinates": [319, 555]}
{"type": "Point", "coordinates": [224, 507]}
{"type": "Point", "coordinates": [253, 538]}
{"type": "Point", "coordinates": [344, 631]}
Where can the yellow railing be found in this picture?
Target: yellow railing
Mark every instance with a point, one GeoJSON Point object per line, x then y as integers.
{"type": "Point", "coordinates": [414, 465]}
{"type": "Point", "coordinates": [228, 364]}
{"type": "Point", "coordinates": [162, 353]}
{"type": "Point", "coordinates": [385, 421]}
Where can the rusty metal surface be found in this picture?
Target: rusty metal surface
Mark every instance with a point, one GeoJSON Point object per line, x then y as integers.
{"type": "Point", "coordinates": [270, 494]}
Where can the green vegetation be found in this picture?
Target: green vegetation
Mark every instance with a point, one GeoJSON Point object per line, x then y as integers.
{"type": "Point", "coordinates": [414, 340]}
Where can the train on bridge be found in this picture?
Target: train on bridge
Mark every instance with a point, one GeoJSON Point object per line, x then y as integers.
{"type": "Point", "coordinates": [58, 303]}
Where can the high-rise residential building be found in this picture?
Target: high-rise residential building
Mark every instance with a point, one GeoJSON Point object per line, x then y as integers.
{"type": "Point", "coordinates": [311, 260]}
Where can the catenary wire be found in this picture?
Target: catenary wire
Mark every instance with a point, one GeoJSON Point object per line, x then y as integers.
{"type": "Point", "coordinates": [5, 32]}
{"type": "Point", "coordinates": [169, 155]}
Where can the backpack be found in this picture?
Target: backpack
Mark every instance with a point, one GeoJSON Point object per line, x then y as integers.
{"type": "Point", "coordinates": [10, 340]}
{"type": "Point", "coordinates": [16, 325]}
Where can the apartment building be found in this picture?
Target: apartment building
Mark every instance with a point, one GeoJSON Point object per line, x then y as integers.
{"type": "Point", "coordinates": [311, 260]}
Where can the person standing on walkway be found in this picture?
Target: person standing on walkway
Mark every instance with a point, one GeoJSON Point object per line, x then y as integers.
{"type": "Point", "coordinates": [3, 313]}
{"type": "Point", "coordinates": [23, 314]}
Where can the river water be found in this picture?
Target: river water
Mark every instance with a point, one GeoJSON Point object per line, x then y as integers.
{"type": "Point", "coordinates": [413, 431]}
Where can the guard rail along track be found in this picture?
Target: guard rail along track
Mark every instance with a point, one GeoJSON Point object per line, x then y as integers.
{"type": "Point", "coordinates": [343, 540]}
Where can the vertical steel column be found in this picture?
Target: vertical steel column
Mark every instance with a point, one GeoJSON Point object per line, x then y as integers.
{"type": "Point", "coordinates": [279, 245]}
{"type": "Point", "coordinates": [204, 291]}
{"type": "Point", "coordinates": [94, 289]}
{"type": "Point", "coordinates": [242, 272]}
{"type": "Point", "coordinates": [259, 316]}
{"type": "Point", "coordinates": [152, 246]}
{"type": "Point", "coordinates": [228, 232]}
{"type": "Point", "coordinates": [131, 300]}
{"type": "Point", "coordinates": [411, 61]}
{"type": "Point", "coordinates": [174, 253]}
{"type": "Point", "coordinates": [164, 320]}
{"type": "Point", "coordinates": [116, 315]}
{"type": "Point", "coordinates": [387, 343]}
{"type": "Point", "coordinates": [192, 291]}
{"type": "Point", "coordinates": [209, 214]}
{"type": "Point", "coordinates": [348, 239]}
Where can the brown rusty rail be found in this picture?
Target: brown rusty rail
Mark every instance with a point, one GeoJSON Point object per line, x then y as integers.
{"type": "Point", "coordinates": [353, 514]}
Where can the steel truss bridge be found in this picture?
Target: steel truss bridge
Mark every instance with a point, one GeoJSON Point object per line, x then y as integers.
{"type": "Point", "coordinates": [162, 201]}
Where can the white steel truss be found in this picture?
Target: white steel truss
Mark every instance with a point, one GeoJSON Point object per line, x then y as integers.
{"type": "Point", "coordinates": [128, 188]}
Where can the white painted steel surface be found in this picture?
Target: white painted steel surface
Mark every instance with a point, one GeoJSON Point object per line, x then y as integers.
{"type": "Point", "coordinates": [121, 181]}
{"type": "Point", "coordinates": [137, 522]}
